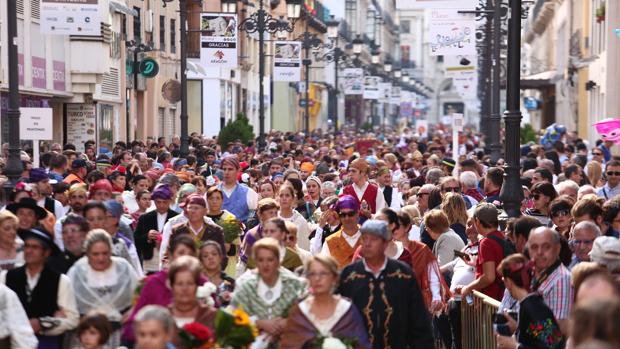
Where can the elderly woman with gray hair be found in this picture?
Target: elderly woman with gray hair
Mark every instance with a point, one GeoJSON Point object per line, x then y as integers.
{"type": "Point", "coordinates": [103, 282]}
{"type": "Point", "coordinates": [606, 252]}
{"type": "Point", "coordinates": [154, 326]}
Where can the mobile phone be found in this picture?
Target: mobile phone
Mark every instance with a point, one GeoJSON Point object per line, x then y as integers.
{"type": "Point", "coordinates": [464, 256]}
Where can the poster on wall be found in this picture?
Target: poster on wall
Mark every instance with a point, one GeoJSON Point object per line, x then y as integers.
{"type": "Point", "coordinates": [451, 33]}
{"type": "Point", "coordinates": [218, 39]}
{"type": "Point", "coordinates": [71, 17]}
{"type": "Point", "coordinates": [287, 61]}
{"type": "Point", "coordinates": [424, 4]}
{"type": "Point", "coordinates": [385, 93]}
{"type": "Point", "coordinates": [80, 124]}
{"type": "Point", "coordinates": [466, 86]}
{"type": "Point", "coordinates": [371, 87]}
{"type": "Point", "coordinates": [353, 81]}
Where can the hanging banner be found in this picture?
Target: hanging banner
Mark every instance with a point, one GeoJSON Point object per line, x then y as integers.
{"type": "Point", "coordinates": [371, 87]}
{"type": "Point", "coordinates": [395, 95]}
{"type": "Point", "coordinates": [80, 124]}
{"type": "Point", "coordinates": [421, 127]}
{"type": "Point", "coordinates": [218, 40]}
{"type": "Point", "coordinates": [353, 81]}
{"type": "Point", "coordinates": [423, 4]}
{"type": "Point", "coordinates": [466, 86]}
{"type": "Point", "coordinates": [460, 65]}
{"type": "Point", "coordinates": [451, 33]}
{"type": "Point", "coordinates": [287, 61]}
{"type": "Point", "coordinates": [71, 17]}
{"type": "Point", "coordinates": [385, 89]}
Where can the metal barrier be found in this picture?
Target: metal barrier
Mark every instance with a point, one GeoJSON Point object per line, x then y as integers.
{"type": "Point", "coordinates": [477, 322]}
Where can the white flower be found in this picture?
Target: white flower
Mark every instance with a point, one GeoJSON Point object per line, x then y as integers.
{"type": "Point", "coordinates": [333, 343]}
{"type": "Point", "coordinates": [205, 291]}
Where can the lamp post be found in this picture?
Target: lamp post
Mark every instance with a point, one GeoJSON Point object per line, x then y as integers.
{"type": "Point", "coordinates": [308, 42]}
{"type": "Point", "coordinates": [495, 118]}
{"type": "Point", "coordinates": [13, 167]}
{"type": "Point", "coordinates": [262, 22]}
{"type": "Point", "coordinates": [136, 48]}
{"type": "Point", "coordinates": [511, 193]}
{"type": "Point", "coordinates": [333, 33]}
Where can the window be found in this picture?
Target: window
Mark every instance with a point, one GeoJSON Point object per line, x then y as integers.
{"type": "Point", "coordinates": [173, 36]}
{"type": "Point", "coordinates": [162, 33]}
{"type": "Point", "coordinates": [124, 27]}
{"type": "Point", "coordinates": [351, 14]}
{"type": "Point", "coordinates": [137, 26]}
{"type": "Point", "coordinates": [405, 26]}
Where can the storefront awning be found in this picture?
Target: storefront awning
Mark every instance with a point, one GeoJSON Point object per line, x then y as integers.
{"type": "Point", "coordinates": [119, 7]}
{"type": "Point", "coordinates": [544, 79]}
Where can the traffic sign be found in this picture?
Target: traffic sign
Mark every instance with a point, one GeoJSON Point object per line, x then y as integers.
{"type": "Point", "coordinates": [149, 67]}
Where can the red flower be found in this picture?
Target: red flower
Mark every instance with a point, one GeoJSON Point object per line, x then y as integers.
{"type": "Point", "coordinates": [199, 331]}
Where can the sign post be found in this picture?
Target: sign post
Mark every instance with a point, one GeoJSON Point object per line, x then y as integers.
{"type": "Point", "coordinates": [36, 124]}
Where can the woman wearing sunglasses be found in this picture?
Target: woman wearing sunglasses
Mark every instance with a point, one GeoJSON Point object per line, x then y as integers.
{"type": "Point", "coordinates": [559, 212]}
{"type": "Point", "coordinates": [542, 194]}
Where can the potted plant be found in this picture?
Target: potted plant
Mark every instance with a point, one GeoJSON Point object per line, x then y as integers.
{"type": "Point", "coordinates": [600, 13]}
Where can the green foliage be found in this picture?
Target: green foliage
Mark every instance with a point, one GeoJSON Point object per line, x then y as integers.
{"type": "Point", "coordinates": [240, 129]}
{"type": "Point", "coordinates": [367, 126]}
{"type": "Point", "coordinates": [528, 134]}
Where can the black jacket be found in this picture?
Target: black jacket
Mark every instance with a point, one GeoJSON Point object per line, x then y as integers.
{"type": "Point", "coordinates": [391, 305]}
{"type": "Point", "coordinates": [147, 222]}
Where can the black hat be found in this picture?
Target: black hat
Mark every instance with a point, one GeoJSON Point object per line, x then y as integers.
{"type": "Point", "coordinates": [40, 234]}
{"type": "Point", "coordinates": [79, 163]}
{"type": "Point", "coordinates": [28, 203]}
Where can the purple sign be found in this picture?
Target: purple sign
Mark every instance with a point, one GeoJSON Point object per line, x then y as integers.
{"type": "Point", "coordinates": [59, 76]}
{"type": "Point", "coordinates": [38, 72]}
{"type": "Point", "coordinates": [20, 68]}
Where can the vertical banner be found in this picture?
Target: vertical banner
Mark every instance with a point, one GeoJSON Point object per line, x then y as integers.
{"type": "Point", "coordinates": [353, 81]}
{"type": "Point", "coordinates": [457, 66]}
{"type": "Point", "coordinates": [218, 40]}
{"type": "Point", "coordinates": [287, 61]}
{"type": "Point", "coordinates": [71, 17]}
{"type": "Point", "coordinates": [385, 93]}
{"type": "Point", "coordinates": [371, 87]}
{"type": "Point", "coordinates": [395, 95]}
{"type": "Point", "coordinates": [421, 127]}
{"type": "Point", "coordinates": [451, 33]}
{"type": "Point", "coordinates": [466, 86]}
{"type": "Point", "coordinates": [80, 124]}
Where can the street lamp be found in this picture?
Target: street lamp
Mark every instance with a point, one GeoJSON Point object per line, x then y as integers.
{"type": "Point", "coordinates": [358, 45]}
{"type": "Point", "coordinates": [405, 77]}
{"type": "Point", "coordinates": [398, 73]}
{"type": "Point", "coordinates": [387, 66]}
{"type": "Point", "coordinates": [333, 34]}
{"type": "Point", "coordinates": [308, 42]}
{"type": "Point", "coordinates": [375, 55]}
{"type": "Point", "coordinates": [262, 22]}
{"type": "Point", "coordinates": [13, 167]}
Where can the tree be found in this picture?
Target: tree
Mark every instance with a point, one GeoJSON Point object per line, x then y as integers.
{"type": "Point", "coordinates": [528, 134]}
{"type": "Point", "coordinates": [239, 129]}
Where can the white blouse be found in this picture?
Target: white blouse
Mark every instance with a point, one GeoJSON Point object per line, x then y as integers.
{"type": "Point", "coordinates": [324, 326]}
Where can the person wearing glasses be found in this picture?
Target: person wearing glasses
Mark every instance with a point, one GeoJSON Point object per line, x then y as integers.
{"type": "Point", "coordinates": [323, 312]}
{"type": "Point", "coordinates": [342, 244]}
{"type": "Point", "coordinates": [584, 234]}
{"type": "Point", "coordinates": [422, 198]}
{"type": "Point", "coordinates": [559, 212]}
{"type": "Point", "coordinates": [612, 175]}
{"type": "Point", "coordinates": [542, 194]}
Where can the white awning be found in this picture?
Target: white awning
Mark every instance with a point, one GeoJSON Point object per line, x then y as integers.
{"type": "Point", "coordinates": [119, 7]}
{"type": "Point", "coordinates": [546, 78]}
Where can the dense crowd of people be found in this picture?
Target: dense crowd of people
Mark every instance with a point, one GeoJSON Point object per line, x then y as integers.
{"type": "Point", "coordinates": [379, 243]}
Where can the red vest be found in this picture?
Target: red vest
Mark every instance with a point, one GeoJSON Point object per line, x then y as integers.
{"type": "Point", "coordinates": [370, 195]}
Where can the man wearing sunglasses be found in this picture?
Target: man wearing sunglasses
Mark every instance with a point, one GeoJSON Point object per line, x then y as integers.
{"type": "Point", "coordinates": [584, 234]}
{"type": "Point", "coordinates": [342, 244]}
{"type": "Point", "coordinates": [612, 175]}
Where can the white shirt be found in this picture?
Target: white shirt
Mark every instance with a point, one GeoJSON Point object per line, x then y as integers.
{"type": "Point", "coordinates": [161, 221]}
{"type": "Point", "coordinates": [316, 243]}
{"type": "Point", "coordinates": [379, 271]}
{"type": "Point", "coordinates": [14, 321]}
{"type": "Point", "coordinates": [303, 229]}
{"type": "Point", "coordinates": [269, 294]}
{"type": "Point", "coordinates": [65, 300]}
{"type": "Point", "coordinates": [397, 199]}
{"type": "Point", "coordinates": [607, 192]}
{"type": "Point", "coordinates": [167, 231]}
{"type": "Point", "coordinates": [350, 239]}
{"type": "Point", "coordinates": [379, 200]}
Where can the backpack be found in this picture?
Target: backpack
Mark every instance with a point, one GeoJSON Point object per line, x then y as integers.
{"type": "Point", "coordinates": [506, 245]}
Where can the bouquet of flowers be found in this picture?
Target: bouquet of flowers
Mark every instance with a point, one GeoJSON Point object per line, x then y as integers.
{"type": "Point", "coordinates": [231, 227]}
{"type": "Point", "coordinates": [334, 342]}
{"type": "Point", "coordinates": [233, 329]}
{"type": "Point", "coordinates": [196, 336]}
{"type": "Point", "coordinates": [205, 293]}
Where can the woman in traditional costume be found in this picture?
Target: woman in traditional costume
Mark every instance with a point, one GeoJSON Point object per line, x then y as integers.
{"type": "Point", "coordinates": [269, 294]}
{"type": "Point", "coordinates": [229, 223]}
{"type": "Point", "coordinates": [103, 283]}
{"type": "Point", "coordinates": [276, 228]}
{"type": "Point", "coordinates": [323, 314]}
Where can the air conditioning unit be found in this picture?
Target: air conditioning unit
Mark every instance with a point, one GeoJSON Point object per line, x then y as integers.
{"type": "Point", "coordinates": [148, 21]}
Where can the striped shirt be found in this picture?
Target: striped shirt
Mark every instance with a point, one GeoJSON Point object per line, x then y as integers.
{"type": "Point", "coordinates": [557, 291]}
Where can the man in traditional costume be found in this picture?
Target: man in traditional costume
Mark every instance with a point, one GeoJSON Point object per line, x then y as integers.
{"type": "Point", "coordinates": [46, 295]}
{"type": "Point", "coordinates": [342, 244]}
{"type": "Point", "coordinates": [239, 199]}
{"type": "Point", "coordinates": [387, 294]}
{"type": "Point", "coordinates": [368, 195]}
